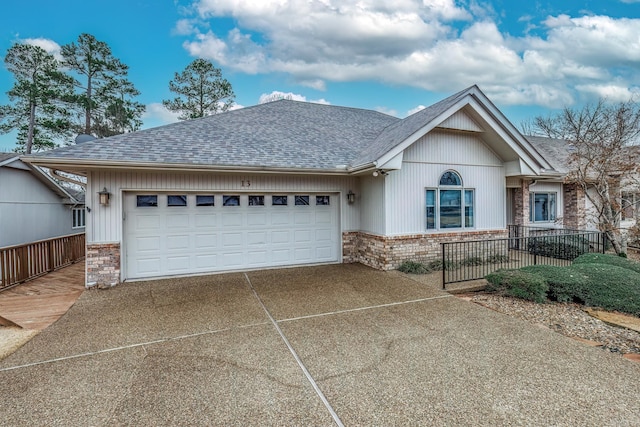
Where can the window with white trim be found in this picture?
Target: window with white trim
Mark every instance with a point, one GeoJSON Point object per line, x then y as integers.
{"type": "Point", "coordinates": [450, 205]}
{"type": "Point", "coordinates": [542, 207]}
{"type": "Point", "coordinates": [78, 218]}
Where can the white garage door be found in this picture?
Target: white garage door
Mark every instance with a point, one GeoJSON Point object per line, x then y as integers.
{"type": "Point", "coordinates": [180, 233]}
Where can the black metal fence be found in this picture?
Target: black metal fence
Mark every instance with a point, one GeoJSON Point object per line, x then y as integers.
{"type": "Point", "coordinates": [472, 260]}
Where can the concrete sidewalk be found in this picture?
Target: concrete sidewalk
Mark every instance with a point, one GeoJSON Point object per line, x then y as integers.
{"type": "Point", "coordinates": [349, 345]}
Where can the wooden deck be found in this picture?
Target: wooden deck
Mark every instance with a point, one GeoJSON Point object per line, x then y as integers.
{"type": "Point", "coordinates": [40, 302]}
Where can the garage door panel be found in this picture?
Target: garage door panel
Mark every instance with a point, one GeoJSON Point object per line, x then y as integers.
{"type": "Point", "coordinates": [146, 244]}
{"type": "Point", "coordinates": [206, 261]}
{"type": "Point", "coordinates": [303, 218]}
{"type": "Point", "coordinates": [146, 222]}
{"type": "Point", "coordinates": [323, 235]}
{"type": "Point", "coordinates": [149, 265]}
{"type": "Point", "coordinates": [257, 219]}
{"type": "Point", "coordinates": [324, 217]}
{"type": "Point", "coordinates": [303, 254]}
{"type": "Point", "coordinates": [302, 236]}
{"type": "Point", "coordinates": [204, 221]}
{"type": "Point", "coordinates": [280, 218]}
{"type": "Point", "coordinates": [170, 240]}
{"type": "Point", "coordinates": [206, 241]}
{"type": "Point", "coordinates": [258, 258]}
{"type": "Point", "coordinates": [325, 253]}
{"type": "Point", "coordinates": [232, 219]}
{"type": "Point", "coordinates": [257, 238]}
{"type": "Point", "coordinates": [177, 221]}
{"type": "Point", "coordinates": [232, 259]}
{"type": "Point", "coordinates": [231, 240]}
{"type": "Point", "coordinates": [178, 264]}
{"type": "Point", "coordinates": [280, 237]}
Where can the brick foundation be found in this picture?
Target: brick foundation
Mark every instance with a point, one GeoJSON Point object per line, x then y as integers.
{"type": "Point", "coordinates": [103, 265]}
{"type": "Point", "coordinates": [387, 253]}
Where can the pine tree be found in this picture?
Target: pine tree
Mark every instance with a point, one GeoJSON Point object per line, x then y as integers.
{"type": "Point", "coordinates": [40, 97]}
{"type": "Point", "coordinates": [202, 91]}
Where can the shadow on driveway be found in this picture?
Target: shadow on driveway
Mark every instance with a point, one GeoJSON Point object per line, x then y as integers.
{"type": "Point", "coordinates": [350, 345]}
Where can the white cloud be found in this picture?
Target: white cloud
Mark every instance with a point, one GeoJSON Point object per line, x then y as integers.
{"type": "Point", "coordinates": [159, 114]}
{"type": "Point", "coordinates": [278, 95]}
{"type": "Point", "coordinates": [387, 110]}
{"type": "Point", "coordinates": [611, 92]}
{"type": "Point", "coordinates": [47, 44]}
{"type": "Point", "coordinates": [439, 45]}
{"type": "Point", "coordinates": [415, 110]}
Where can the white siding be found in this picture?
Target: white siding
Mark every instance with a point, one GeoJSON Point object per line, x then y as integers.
{"type": "Point", "coordinates": [451, 148]}
{"type": "Point", "coordinates": [425, 161]}
{"type": "Point", "coordinates": [405, 196]}
{"type": "Point", "coordinates": [29, 210]}
{"type": "Point", "coordinates": [372, 204]}
{"type": "Point", "coordinates": [104, 223]}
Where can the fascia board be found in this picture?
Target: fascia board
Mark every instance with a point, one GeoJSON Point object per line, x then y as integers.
{"type": "Point", "coordinates": [75, 164]}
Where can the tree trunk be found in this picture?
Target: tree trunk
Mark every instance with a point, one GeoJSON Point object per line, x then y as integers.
{"type": "Point", "coordinates": [32, 124]}
{"type": "Point", "coordinates": [87, 111]}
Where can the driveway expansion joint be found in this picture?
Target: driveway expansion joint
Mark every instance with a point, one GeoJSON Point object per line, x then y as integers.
{"type": "Point", "coordinates": [304, 369]}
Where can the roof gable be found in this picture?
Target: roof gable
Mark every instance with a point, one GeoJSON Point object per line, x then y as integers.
{"type": "Point", "coordinates": [468, 108]}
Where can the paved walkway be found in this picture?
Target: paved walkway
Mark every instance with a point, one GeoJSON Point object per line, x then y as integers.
{"type": "Point", "coordinates": [329, 345]}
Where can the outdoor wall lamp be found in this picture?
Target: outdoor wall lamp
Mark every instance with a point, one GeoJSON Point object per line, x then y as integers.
{"type": "Point", "coordinates": [104, 197]}
{"type": "Point", "coordinates": [379, 172]}
{"type": "Point", "coordinates": [351, 197]}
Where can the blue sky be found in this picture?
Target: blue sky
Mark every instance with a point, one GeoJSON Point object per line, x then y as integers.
{"type": "Point", "coordinates": [530, 58]}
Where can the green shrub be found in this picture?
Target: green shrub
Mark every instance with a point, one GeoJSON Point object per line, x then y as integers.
{"type": "Point", "coordinates": [519, 284]}
{"type": "Point", "coordinates": [609, 259]}
{"type": "Point", "coordinates": [497, 259]}
{"type": "Point", "coordinates": [559, 247]}
{"type": "Point", "coordinates": [413, 267]}
{"type": "Point", "coordinates": [436, 265]}
{"type": "Point", "coordinates": [472, 261]}
{"type": "Point", "coordinates": [610, 287]}
{"type": "Point", "coordinates": [565, 284]}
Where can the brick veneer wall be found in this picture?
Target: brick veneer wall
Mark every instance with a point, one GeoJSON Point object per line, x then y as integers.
{"type": "Point", "coordinates": [103, 265]}
{"type": "Point", "coordinates": [521, 204]}
{"type": "Point", "coordinates": [574, 215]}
{"type": "Point", "coordinates": [387, 253]}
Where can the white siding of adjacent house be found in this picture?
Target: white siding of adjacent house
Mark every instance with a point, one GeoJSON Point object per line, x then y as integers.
{"type": "Point", "coordinates": [425, 161]}
{"type": "Point", "coordinates": [104, 223]}
{"type": "Point", "coordinates": [29, 210]}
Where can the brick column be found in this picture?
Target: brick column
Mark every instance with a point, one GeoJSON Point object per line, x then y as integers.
{"type": "Point", "coordinates": [103, 265]}
{"type": "Point", "coordinates": [574, 215]}
{"type": "Point", "coordinates": [521, 203]}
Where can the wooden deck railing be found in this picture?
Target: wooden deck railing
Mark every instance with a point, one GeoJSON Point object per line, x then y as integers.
{"type": "Point", "coordinates": [25, 262]}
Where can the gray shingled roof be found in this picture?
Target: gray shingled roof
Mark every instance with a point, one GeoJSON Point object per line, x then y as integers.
{"type": "Point", "coordinates": [280, 134]}
{"type": "Point", "coordinates": [555, 151]}
{"type": "Point", "coordinates": [394, 134]}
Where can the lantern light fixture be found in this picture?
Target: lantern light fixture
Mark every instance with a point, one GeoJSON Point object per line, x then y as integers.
{"type": "Point", "coordinates": [104, 196]}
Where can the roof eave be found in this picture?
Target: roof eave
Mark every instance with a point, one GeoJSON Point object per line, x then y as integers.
{"type": "Point", "coordinates": [83, 164]}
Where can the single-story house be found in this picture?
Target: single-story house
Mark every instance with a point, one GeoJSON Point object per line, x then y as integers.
{"type": "Point", "coordinates": [291, 183]}
{"type": "Point", "coordinates": [33, 206]}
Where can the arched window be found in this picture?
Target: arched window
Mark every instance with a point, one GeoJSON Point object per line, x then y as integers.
{"type": "Point", "coordinates": [450, 205]}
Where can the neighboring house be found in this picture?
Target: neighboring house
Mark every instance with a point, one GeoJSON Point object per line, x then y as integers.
{"type": "Point", "coordinates": [560, 202]}
{"type": "Point", "coordinates": [292, 183]}
{"type": "Point", "coordinates": [33, 206]}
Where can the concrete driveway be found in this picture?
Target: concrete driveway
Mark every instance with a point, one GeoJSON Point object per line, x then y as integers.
{"type": "Point", "coordinates": [314, 346]}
